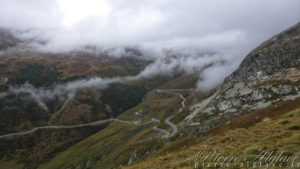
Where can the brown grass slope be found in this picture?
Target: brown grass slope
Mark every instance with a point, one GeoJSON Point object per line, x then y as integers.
{"type": "Point", "coordinates": [275, 127]}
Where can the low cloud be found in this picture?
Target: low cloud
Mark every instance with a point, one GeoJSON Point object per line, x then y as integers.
{"type": "Point", "coordinates": [65, 91]}
{"type": "Point", "coordinates": [176, 35]}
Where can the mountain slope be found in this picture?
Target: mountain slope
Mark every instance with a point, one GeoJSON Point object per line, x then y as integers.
{"type": "Point", "coordinates": [265, 86]}
{"type": "Point", "coordinates": [249, 100]}
{"type": "Point", "coordinates": [20, 112]}
{"type": "Point", "coordinates": [249, 113]}
{"type": "Point", "coordinates": [123, 143]}
{"type": "Point", "coordinates": [280, 134]}
{"type": "Point", "coordinates": [271, 59]}
{"type": "Point", "coordinates": [269, 74]}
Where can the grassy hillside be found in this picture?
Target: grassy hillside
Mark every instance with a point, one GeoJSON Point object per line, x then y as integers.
{"type": "Point", "coordinates": [47, 69]}
{"type": "Point", "coordinates": [118, 142]}
{"type": "Point", "coordinates": [275, 128]}
{"type": "Point", "coordinates": [113, 145]}
{"type": "Point", "coordinates": [29, 150]}
{"type": "Point", "coordinates": [21, 113]}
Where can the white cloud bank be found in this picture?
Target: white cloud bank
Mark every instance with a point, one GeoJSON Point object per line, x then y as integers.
{"type": "Point", "coordinates": [199, 32]}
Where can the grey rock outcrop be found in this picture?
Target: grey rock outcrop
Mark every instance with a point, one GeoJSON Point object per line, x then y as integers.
{"type": "Point", "coordinates": [272, 58]}
{"type": "Point", "coordinates": [269, 74]}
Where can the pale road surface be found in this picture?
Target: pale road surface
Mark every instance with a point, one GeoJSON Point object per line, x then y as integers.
{"type": "Point", "coordinates": [165, 132]}
{"type": "Point", "coordinates": [167, 121]}
{"type": "Point", "coordinates": [77, 126]}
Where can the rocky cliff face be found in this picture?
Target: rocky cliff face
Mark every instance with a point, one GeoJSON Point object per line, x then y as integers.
{"type": "Point", "coordinates": [269, 74]}
{"type": "Point", "coordinates": [272, 58]}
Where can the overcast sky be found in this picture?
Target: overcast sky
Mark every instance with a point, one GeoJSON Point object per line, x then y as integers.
{"type": "Point", "coordinates": [148, 22]}
{"type": "Point", "coordinates": [230, 28]}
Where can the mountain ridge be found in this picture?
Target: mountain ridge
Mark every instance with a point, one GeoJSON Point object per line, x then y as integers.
{"type": "Point", "coordinates": [270, 58]}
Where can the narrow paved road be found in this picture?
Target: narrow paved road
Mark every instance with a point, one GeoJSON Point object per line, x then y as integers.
{"type": "Point", "coordinates": [166, 134]}
{"type": "Point", "coordinates": [77, 126]}
{"type": "Point", "coordinates": [167, 121]}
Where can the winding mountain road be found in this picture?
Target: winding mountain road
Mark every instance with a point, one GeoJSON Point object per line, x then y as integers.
{"type": "Point", "coordinates": [166, 134]}
{"type": "Point", "coordinates": [167, 121]}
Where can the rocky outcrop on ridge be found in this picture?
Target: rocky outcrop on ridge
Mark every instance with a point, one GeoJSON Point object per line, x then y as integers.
{"type": "Point", "coordinates": [269, 74]}
{"type": "Point", "coordinates": [272, 58]}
